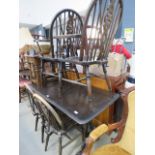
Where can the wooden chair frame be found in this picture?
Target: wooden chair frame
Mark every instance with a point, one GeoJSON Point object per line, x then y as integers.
{"type": "Point", "coordinates": [53, 122]}
{"type": "Point", "coordinates": [65, 39]}
{"type": "Point", "coordinates": [103, 128]}
{"type": "Point", "coordinates": [103, 17]}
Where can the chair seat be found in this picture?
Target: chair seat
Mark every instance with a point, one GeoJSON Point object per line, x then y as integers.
{"type": "Point", "coordinates": [74, 60]}
{"type": "Point", "coordinates": [110, 149]}
{"type": "Point", "coordinates": [68, 122]}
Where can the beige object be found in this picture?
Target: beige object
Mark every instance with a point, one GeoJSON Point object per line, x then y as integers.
{"type": "Point", "coordinates": [115, 67]}
{"type": "Point", "coordinates": [25, 37]}
{"type": "Point", "coordinates": [116, 64]}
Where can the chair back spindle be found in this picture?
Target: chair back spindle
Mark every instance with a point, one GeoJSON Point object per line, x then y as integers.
{"type": "Point", "coordinates": [102, 21]}
{"type": "Point", "coordinates": [48, 112]}
{"type": "Point", "coordinates": [65, 33]}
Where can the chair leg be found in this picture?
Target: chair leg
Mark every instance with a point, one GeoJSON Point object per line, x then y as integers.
{"type": "Point", "coordinates": [36, 122]}
{"type": "Point", "coordinates": [106, 77]}
{"type": "Point", "coordinates": [42, 133]}
{"type": "Point", "coordinates": [20, 96]}
{"type": "Point", "coordinates": [89, 88]}
{"type": "Point", "coordinates": [47, 140]}
{"type": "Point", "coordinates": [60, 144]}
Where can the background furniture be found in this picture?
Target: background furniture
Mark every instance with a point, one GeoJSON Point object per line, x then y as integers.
{"type": "Point", "coordinates": [33, 62]}
{"type": "Point", "coordinates": [24, 76]}
{"type": "Point", "coordinates": [34, 65]}
{"type": "Point", "coordinates": [125, 146]}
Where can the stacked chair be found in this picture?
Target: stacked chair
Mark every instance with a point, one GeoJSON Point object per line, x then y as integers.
{"type": "Point", "coordinates": [74, 44]}
{"type": "Point", "coordinates": [65, 38]}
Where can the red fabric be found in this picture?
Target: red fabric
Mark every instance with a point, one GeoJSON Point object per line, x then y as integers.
{"type": "Point", "coordinates": [121, 49]}
{"type": "Point", "coordinates": [23, 82]}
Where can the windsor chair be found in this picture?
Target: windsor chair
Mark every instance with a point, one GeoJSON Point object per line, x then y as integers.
{"type": "Point", "coordinates": [55, 122]}
{"type": "Point", "coordinates": [100, 26]}
{"type": "Point", "coordinates": [65, 39]}
{"type": "Point", "coordinates": [88, 44]}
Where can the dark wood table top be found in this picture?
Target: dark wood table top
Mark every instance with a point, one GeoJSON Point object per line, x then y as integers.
{"type": "Point", "coordinates": [73, 100]}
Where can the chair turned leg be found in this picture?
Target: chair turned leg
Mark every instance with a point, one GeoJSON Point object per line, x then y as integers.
{"type": "Point", "coordinates": [42, 133]}
{"type": "Point", "coordinates": [89, 88]}
{"type": "Point", "coordinates": [60, 144]}
{"type": "Point", "coordinates": [20, 95]}
{"type": "Point", "coordinates": [47, 140]}
{"type": "Point", "coordinates": [36, 122]}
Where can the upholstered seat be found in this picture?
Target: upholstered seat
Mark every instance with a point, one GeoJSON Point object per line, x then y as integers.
{"type": "Point", "coordinates": [110, 149]}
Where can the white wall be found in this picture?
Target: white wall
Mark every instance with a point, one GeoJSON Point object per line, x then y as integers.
{"type": "Point", "coordinates": [25, 37]}
{"type": "Point", "coordinates": [42, 11]}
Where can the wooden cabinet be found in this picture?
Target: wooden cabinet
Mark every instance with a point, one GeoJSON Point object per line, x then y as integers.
{"type": "Point", "coordinates": [35, 67]}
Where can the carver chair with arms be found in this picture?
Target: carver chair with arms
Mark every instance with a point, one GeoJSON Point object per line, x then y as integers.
{"type": "Point", "coordinates": [65, 39]}
{"type": "Point", "coordinates": [125, 146]}
{"type": "Point", "coordinates": [95, 39]}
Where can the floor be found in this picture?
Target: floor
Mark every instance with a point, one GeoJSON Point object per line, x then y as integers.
{"type": "Point", "coordinates": [30, 140]}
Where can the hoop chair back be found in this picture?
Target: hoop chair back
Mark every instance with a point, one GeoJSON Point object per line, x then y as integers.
{"type": "Point", "coordinates": [65, 33]}
{"type": "Point", "coordinates": [100, 26]}
{"type": "Point", "coordinates": [48, 113]}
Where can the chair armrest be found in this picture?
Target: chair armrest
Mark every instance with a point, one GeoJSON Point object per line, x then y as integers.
{"type": "Point", "coordinates": [126, 91]}
{"type": "Point", "coordinates": [93, 136]}
{"type": "Point", "coordinates": [98, 132]}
